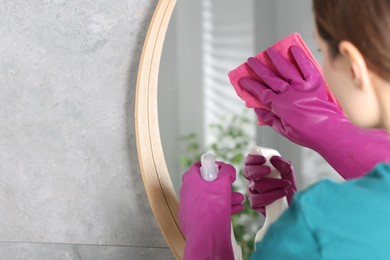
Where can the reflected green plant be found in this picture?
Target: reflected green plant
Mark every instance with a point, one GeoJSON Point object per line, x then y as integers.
{"type": "Point", "coordinates": [231, 145]}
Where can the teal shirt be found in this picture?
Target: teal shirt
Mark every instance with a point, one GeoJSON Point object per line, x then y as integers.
{"type": "Point", "coordinates": [349, 220]}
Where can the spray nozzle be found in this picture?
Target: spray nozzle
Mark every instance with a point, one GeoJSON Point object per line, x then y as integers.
{"type": "Point", "coordinates": [209, 169]}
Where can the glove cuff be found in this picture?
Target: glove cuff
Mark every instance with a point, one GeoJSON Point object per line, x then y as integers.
{"type": "Point", "coordinates": [353, 151]}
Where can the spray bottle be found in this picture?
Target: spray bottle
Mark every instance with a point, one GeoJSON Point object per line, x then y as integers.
{"type": "Point", "coordinates": [209, 171]}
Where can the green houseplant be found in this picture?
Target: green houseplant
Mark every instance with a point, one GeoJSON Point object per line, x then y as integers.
{"type": "Point", "coordinates": [232, 145]}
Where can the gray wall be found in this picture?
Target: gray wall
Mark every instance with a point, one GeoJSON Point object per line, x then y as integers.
{"type": "Point", "coordinates": [70, 184]}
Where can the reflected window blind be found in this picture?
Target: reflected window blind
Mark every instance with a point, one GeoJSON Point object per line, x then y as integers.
{"type": "Point", "coordinates": [228, 39]}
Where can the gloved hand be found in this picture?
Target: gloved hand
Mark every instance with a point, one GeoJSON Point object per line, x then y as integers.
{"type": "Point", "coordinates": [262, 190]}
{"type": "Point", "coordinates": [204, 213]}
{"type": "Point", "coordinates": [299, 109]}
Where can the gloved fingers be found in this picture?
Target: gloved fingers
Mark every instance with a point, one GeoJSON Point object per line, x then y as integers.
{"type": "Point", "coordinates": [286, 171]}
{"type": "Point", "coordinates": [237, 198]}
{"type": "Point", "coordinates": [270, 119]}
{"type": "Point", "coordinates": [237, 208]}
{"type": "Point", "coordinates": [256, 172]}
{"type": "Point", "coordinates": [267, 185]}
{"type": "Point", "coordinates": [226, 171]}
{"type": "Point", "coordinates": [260, 200]}
{"type": "Point", "coordinates": [282, 165]}
{"type": "Point", "coordinates": [285, 168]}
{"type": "Point", "coordinates": [258, 90]}
{"type": "Point", "coordinates": [305, 65]}
{"type": "Point", "coordinates": [255, 159]}
{"type": "Point", "coordinates": [290, 194]}
{"type": "Point", "coordinates": [261, 210]}
{"type": "Point", "coordinates": [273, 81]}
{"type": "Point", "coordinates": [286, 70]}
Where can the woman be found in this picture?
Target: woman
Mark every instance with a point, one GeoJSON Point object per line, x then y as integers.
{"type": "Point", "coordinates": [328, 220]}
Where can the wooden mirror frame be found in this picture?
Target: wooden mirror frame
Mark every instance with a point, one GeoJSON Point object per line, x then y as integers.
{"type": "Point", "coordinates": [159, 189]}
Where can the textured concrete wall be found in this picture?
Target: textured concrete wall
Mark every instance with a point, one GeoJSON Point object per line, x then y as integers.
{"type": "Point", "coordinates": [70, 185]}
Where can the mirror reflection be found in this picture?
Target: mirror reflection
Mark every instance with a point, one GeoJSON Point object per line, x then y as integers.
{"type": "Point", "coordinates": [198, 108]}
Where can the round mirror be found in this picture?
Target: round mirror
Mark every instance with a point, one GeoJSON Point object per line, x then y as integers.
{"type": "Point", "coordinates": [195, 108]}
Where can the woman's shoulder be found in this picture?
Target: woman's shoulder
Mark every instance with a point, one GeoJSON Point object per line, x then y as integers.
{"type": "Point", "coordinates": [323, 189]}
{"type": "Point", "coordinates": [328, 198]}
{"type": "Point", "coordinates": [332, 220]}
{"type": "Point", "coordinates": [326, 189]}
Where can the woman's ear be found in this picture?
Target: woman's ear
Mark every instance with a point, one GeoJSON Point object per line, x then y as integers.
{"type": "Point", "coordinates": [361, 94]}
{"type": "Point", "coordinates": [356, 65]}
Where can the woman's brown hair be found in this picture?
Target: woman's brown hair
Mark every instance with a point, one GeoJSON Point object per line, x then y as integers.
{"type": "Point", "coordinates": [365, 23]}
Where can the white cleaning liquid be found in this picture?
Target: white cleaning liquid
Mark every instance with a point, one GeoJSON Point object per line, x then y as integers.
{"type": "Point", "coordinates": [274, 210]}
{"type": "Point", "coordinates": [209, 171]}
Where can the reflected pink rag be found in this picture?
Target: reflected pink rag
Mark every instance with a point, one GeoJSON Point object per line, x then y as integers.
{"type": "Point", "coordinates": [281, 46]}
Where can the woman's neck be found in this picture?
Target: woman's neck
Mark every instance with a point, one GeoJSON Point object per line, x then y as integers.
{"type": "Point", "coordinates": [383, 91]}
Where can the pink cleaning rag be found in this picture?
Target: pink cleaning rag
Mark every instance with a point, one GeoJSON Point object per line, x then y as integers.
{"type": "Point", "coordinates": [281, 46]}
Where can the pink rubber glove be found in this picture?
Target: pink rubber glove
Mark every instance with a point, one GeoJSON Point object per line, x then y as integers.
{"type": "Point", "coordinates": [299, 110]}
{"type": "Point", "coordinates": [204, 213]}
{"type": "Point", "coordinates": [262, 190]}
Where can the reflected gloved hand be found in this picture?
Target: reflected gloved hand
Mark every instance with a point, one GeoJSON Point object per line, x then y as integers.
{"type": "Point", "coordinates": [299, 109]}
{"type": "Point", "coordinates": [204, 213]}
{"type": "Point", "coordinates": [262, 190]}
